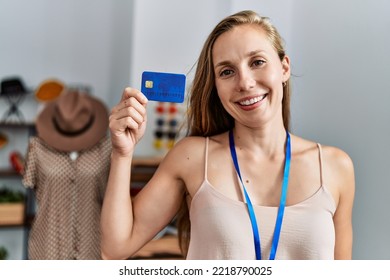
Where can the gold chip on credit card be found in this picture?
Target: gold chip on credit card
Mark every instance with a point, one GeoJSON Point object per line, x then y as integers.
{"type": "Point", "coordinates": [149, 84]}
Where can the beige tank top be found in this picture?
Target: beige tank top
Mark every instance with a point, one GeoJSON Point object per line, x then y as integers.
{"type": "Point", "coordinates": [221, 227]}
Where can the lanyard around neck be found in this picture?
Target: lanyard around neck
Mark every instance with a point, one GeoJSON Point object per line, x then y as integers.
{"type": "Point", "coordinates": [283, 197]}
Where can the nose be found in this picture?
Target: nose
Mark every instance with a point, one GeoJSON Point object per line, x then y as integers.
{"type": "Point", "coordinates": [246, 80]}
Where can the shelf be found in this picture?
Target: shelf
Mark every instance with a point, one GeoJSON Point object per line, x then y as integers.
{"type": "Point", "coordinates": [14, 130]}
{"type": "Point", "coordinates": [9, 173]}
{"type": "Point", "coordinates": [17, 125]}
{"type": "Point", "coordinates": [146, 161]}
{"type": "Point", "coordinates": [166, 248]}
{"type": "Point", "coordinates": [26, 224]}
{"type": "Point", "coordinates": [12, 226]}
{"type": "Point", "coordinates": [142, 170]}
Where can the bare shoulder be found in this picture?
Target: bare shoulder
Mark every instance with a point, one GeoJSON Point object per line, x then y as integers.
{"type": "Point", "coordinates": [188, 147]}
{"type": "Point", "coordinates": [303, 147]}
{"type": "Point", "coordinates": [337, 160]}
{"type": "Point", "coordinates": [185, 160]}
{"type": "Point", "coordinates": [337, 166]}
{"type": "Point", "coordinates": [186, 151]}
{"type": "Point", "coordinates": [334, 158]}
{"type": "Point", "coordinates": [339, 174]}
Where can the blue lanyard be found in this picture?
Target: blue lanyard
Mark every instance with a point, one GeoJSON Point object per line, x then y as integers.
{"type": "Point", "coordinates": [252, 216]}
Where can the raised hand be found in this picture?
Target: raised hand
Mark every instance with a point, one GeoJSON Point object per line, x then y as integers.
{"type": "Point", "coordinates": [127, 121]}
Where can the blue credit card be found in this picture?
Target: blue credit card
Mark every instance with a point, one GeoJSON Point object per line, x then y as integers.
{"type": "Point", "coordinates": [163, 87]}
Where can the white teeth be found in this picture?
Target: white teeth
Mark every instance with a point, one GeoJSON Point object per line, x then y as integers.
{"type": "Point", "coordinates": [252, 100]}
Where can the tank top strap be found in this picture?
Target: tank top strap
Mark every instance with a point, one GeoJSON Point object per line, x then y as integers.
{"type": "Point", "coordinates": [206, 152]}
{"type": "Point", "coordinates": [321, 167]}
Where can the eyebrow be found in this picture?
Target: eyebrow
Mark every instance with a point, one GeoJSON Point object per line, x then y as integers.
{"type": "Point", "coordinates": [227, 62]}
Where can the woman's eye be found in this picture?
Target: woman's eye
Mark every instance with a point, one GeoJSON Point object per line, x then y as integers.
{"type": "Point", "coordinates": [226, 72]}
{"type": "Point", "coordinates": [258, 62]}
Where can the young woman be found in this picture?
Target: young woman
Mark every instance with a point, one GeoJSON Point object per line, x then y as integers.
{"type": "Point", "coordinates": [246, 188]}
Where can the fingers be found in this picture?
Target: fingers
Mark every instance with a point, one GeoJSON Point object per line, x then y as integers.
{"type": "Point", "coordinates": [129, 107]}
{"type": "Point", "coordinates": [132, 92]}
{"type": "Point", "coordinates": [130, 112]}
{"type": "Point", "coordinates": [131, 98]}
{"type": "Point", "coordinates": [129, 117]}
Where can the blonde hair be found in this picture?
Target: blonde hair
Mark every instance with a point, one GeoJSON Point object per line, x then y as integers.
{"type": "Point", "coordinates": [206, 116]}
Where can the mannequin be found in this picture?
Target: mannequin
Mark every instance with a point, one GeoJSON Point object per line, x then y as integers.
{"type": "Point", "coordinates": [67, 166]}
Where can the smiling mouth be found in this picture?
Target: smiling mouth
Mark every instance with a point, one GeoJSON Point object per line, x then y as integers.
{"type": "Point", "coordinates": [252, 101]}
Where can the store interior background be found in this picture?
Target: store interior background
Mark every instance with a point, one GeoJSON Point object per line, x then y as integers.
{"type": "Point", "coordinates": [340, 59]}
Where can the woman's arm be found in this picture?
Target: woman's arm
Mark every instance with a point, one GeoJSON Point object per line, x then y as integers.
{"type": "Point", "coordinates": [127, 124]}
{"type": "Point", "coordinates": [341, 179]}
{"type": "Point", "coordinates": [127, 225]}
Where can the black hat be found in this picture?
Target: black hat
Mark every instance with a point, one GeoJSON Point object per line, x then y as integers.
{"type": "Point", "coordinates": [12, 86]}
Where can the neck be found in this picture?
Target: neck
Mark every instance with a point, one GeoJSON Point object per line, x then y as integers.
{"type": "Point", "coordinates": [267, 140]}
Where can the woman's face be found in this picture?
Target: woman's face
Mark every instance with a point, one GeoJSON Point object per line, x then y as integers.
{"type": "Point", "coordinates": [249, 75]}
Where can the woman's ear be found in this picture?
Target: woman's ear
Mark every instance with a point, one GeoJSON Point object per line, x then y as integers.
{"type": "Point", "coordinates": [286, 68]}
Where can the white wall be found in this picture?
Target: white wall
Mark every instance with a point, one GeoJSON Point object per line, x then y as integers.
{"type": "Point", "coordinates": [341, 95]}
{"type": "Point", "coordinates": [79, 42]}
